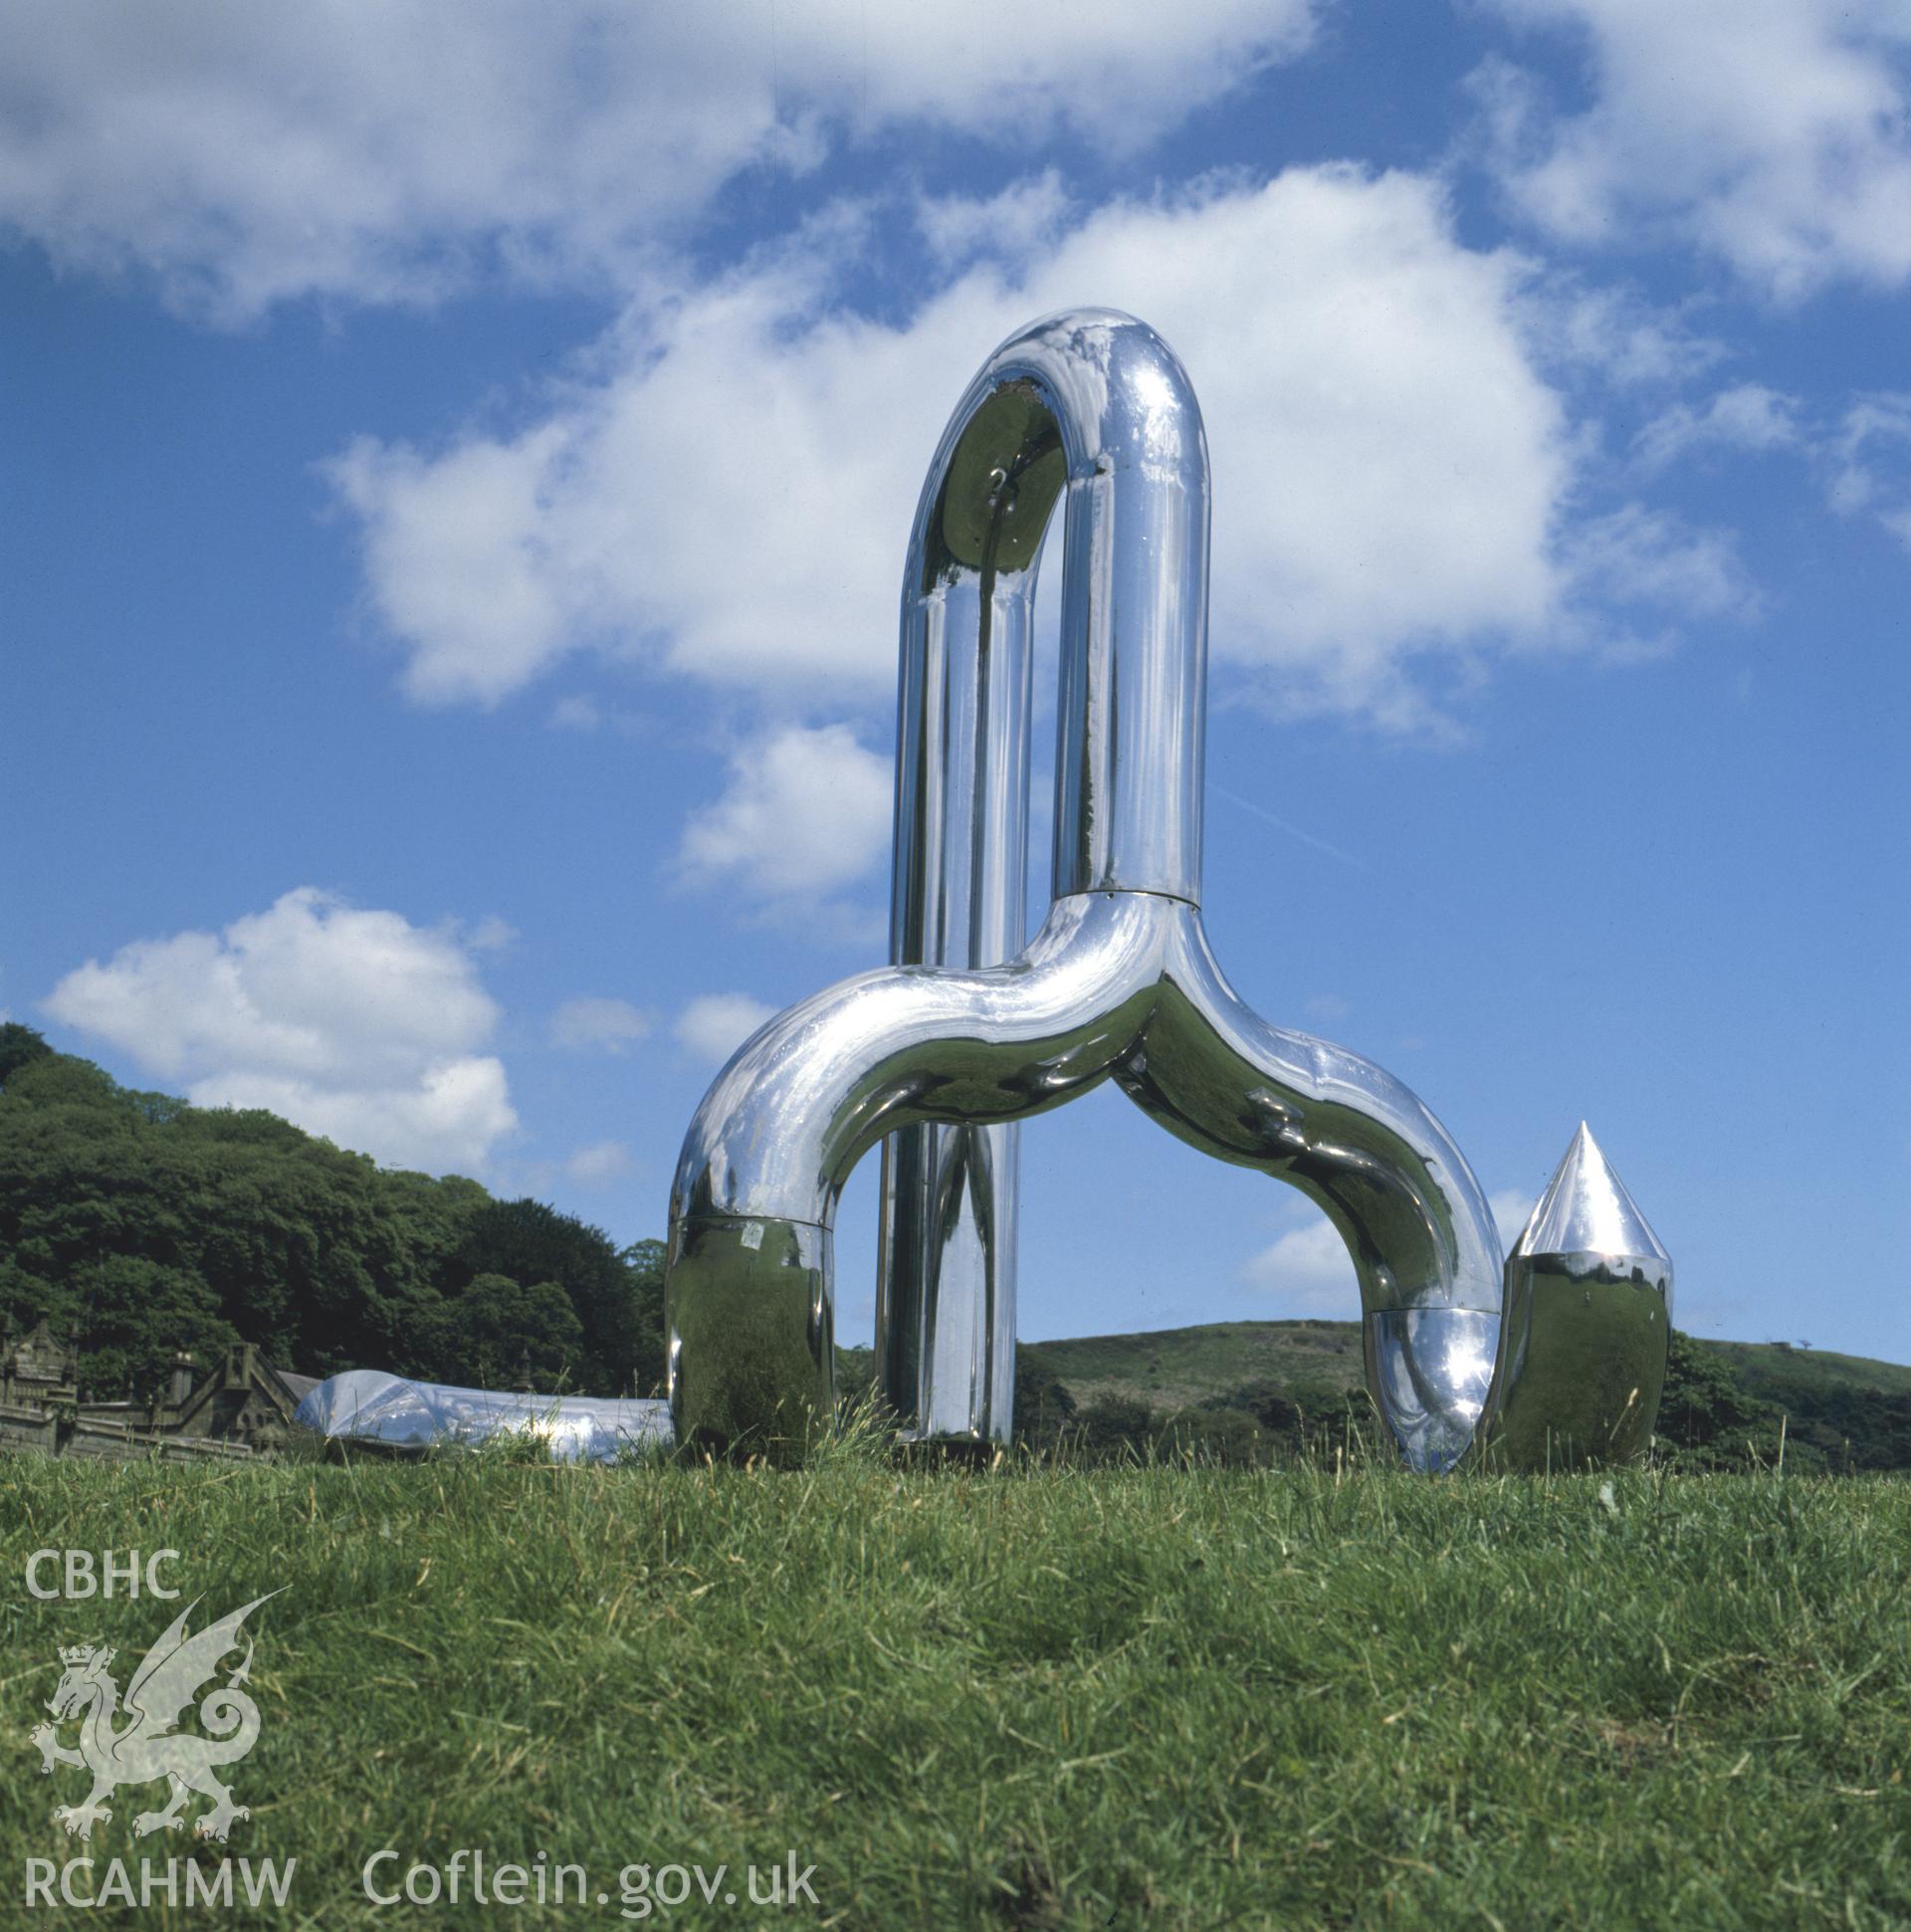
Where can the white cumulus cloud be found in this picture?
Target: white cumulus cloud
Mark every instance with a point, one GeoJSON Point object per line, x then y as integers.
{"type": "Point", "coordinates": [1394, 475]}
{"type": "Point", "coordinates": [1869, 461]}
{"type": "Point", "coordinates": [1861, 459]}
{"type": "Point", "coordinates": [1652, 559]}
{"type": "Point", "coordinates": [715, 1024]}
{"type": "Point", "coordinates": [352, 1024]}
{"type": "Point", "coordinates": [1310, 1273]}
{"type": "Point", "coordinates": [599, 1163]}
{"type": "Point", "coordinates": [1510, 1209]}
{"type": "Point", "coordinates": [606, 1025]}
{"type": "Point", "coordinates": [1026, 216]}
{"type": "Point", "coordinates": [394, 149]}
{"type": "Point", "coordinates": [1307, 1270]}
{"type": "Point", "coordinates": [1774, 135]}
{"type": "Point", "coordinates": [806, 812]}
{"type": "Point", "coordinates": [1747, 416]}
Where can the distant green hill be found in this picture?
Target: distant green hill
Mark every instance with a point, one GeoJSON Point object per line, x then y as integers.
{"type": "Point", "coordinates": [1182, 1368]}
{"type": "Point", "coordinates": [1724, 1401]}
{"type": "Point", "coordinates": [1782, 1372]}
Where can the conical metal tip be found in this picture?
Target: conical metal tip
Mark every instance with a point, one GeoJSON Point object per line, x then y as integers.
{"type": "Point", "coordinates": [1586, 1209]}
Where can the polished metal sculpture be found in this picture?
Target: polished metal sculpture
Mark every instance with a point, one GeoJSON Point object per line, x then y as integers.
{"type": "Point", "coordinates": [969, 1031]}
{"type": "Point", "coordinates": [1589, 1315]}
{"type": "Point", "coordinates": [363, 1405]}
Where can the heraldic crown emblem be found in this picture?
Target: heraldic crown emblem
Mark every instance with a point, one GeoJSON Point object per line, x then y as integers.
{"type": "Point", "coordinates": [150, 1745]}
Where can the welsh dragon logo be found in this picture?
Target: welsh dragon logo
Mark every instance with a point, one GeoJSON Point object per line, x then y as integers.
{"type": "Point", "coordinates": [152, 1746]}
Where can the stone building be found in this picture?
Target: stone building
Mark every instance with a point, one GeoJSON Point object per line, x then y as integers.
{"type": "Point", "coordinates": [241, 1406]}
{"type": "Point", "coordinates": [39, 1389]}
{"type": "Point", "coordinates": [244, 1400]}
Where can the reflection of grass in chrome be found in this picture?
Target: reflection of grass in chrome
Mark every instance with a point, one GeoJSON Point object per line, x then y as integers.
{"type": "Point", "coordinates": [1593, 1369]}
{"type": "Point", "coordinates": [1032, 1695]}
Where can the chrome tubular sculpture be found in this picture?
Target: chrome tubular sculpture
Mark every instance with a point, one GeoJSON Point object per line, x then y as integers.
{"type": "Point", "coordinates": [969, 1031]}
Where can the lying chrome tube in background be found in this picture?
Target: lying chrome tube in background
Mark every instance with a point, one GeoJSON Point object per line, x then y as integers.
{"type": "Point", "coordinates": [369, 1405]}
{"type": "Point", "coordinates": [1118, 982]}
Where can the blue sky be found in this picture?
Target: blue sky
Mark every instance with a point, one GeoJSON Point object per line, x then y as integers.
{"type": "Point", "coordinates": [454, 472]}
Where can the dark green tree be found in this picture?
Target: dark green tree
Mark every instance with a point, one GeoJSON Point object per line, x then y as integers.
{"type": "Point", "coordinates": [1107, 1428]}
{"type": "Point", "coordinates": [238, 1219]}
{"type": "Point", "coordinates": [1280, 1413]}
{"type": "Point", "coordinates": [528, 1241]}
{"type": "Point", "coordinates": [499, 1334]}
{"type": "Point", "coordinates": [134, 1314]}
{"type": "Point", "coordinates": [19, 1046]}
{"type": "Point", "coordinates": [1706, 1414]}
{"type": "Point", "coordinates": [64, 1080]}
{"type": "Point", "coordinates": [1045, 1408]}
{"type": "Point", "coordinates": [643, 1265]}
{"type": "Point", "coordinates": [1229, 1439]}
{"type": "Point", "coordinates": [137, 1224]}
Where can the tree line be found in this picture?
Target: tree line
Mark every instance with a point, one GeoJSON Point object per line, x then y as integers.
{"type": "Point", "coordinates": [137, 1224]}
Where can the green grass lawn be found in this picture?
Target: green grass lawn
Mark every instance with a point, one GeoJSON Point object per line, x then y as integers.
{"type": "Point", "coordinates": [1027, 1696]}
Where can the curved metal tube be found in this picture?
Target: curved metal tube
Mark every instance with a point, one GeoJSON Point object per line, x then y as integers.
{"type": "Point", "coordinates": [748, 1296]}
{"type": "Point", "coordinates": [1366, 1151]}
{"type": "Point", "coordinates": [808, 1095]}
{"type": "Point", "coordinates": [1087, 403]}
{"type": "Point", "coordinates": [1120, 981]}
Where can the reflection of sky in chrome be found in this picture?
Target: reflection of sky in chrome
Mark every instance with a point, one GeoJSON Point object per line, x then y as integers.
{"type": "Point", "coordinates": [1436, 1367]}
{"type": "Point", "coordinates": [1470, 1367]}
{"type": "Point", "coordinates": [1586, 1209]}
{"type": "Point", "coordinates": [368, 1405]}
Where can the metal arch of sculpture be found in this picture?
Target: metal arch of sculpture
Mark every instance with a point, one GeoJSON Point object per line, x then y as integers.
{"type": "Point", "coordinates": [970, 1032]}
